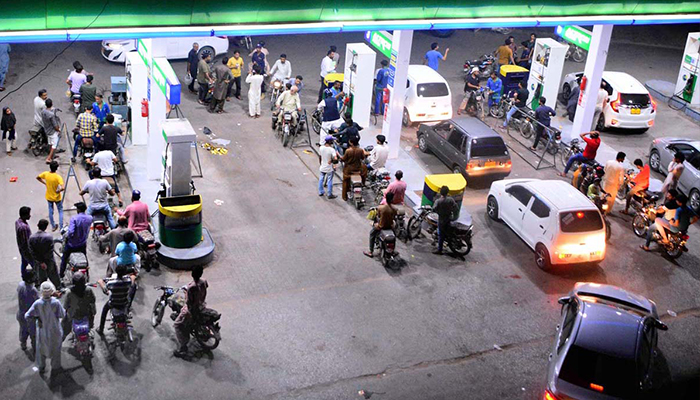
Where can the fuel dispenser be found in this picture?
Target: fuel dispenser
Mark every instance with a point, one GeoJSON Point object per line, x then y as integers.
{"type": "Point", "coordinates": [545, 72]}
{"type": "Point", "coordinates": [687, 86]}
{"type": "Point", "coordinates": [359, 80]}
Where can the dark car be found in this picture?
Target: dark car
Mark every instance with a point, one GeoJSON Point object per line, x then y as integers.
{"type": "Point", "coordinates": [467, 145]}
{"type": "Point", "coordinates": [604, 346]}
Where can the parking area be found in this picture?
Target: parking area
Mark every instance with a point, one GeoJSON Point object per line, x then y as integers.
{"type": "Point", "coordinates": [305, 314]}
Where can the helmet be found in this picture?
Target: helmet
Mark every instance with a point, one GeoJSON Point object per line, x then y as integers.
{"type": "Point", "coordinates": [136, 194]}
{"type": "Point", "coordinates": [79, 279]}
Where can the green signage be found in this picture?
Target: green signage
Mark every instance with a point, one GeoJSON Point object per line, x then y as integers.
{"type": "Point", "coordinates": [381, 40]}
{"type": "Point", "coordinates": [575, 35]}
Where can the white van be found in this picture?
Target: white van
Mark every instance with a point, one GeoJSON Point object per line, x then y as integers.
{"type": "Point", "coordinates": [560, 223]}
{"type": "Point", "coordinates": [428, 96]}
{"type": "Point", "coordinates": [176, 47]}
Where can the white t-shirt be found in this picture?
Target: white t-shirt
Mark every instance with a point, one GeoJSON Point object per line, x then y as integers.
{"type": "Point", "coordinates": [99, 191]}
{"type": "Point", "coordinates": [378, 156]}
{"type": "Point", "coordinates": [281, 71]}
{"type": "Point", "coordinates": [104, 161]}
{"type": "Point", "coordinates": [39, 106]}
{"type": "Point", "coordinates": [327, 66]}
{"type": "Point", "coordinates": [602, 95]}
{"type": "Point", "coordinates": [327, 154]}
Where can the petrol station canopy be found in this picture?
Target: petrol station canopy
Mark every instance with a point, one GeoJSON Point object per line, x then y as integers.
{"type": "Point", "coordinates": [53, 20]}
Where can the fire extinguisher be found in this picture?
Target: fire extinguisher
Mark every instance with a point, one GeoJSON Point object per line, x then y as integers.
{"type": "Point", "coordinates": [582, 87]}
{"type": "Point", "coordinates": [144, 108]}
{"type": "Point", "coordinates": [385, 95]}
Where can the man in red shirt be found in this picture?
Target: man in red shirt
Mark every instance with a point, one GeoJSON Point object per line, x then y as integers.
{"type": "Point", "coordinates": [398, 188]}
{"type": "Point", "coordinates": [592, 144]}
{"type": "Point", "coordinates": [137, 213]}
{"type": "Point", "coordinates": [639, 182]}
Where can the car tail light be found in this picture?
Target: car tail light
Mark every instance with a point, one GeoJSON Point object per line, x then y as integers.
{"type": "Point", "coordinates": [420, 115]}
{"type": "Point", "coordinates": [549, 396]}
{"type": "Point", "coordinates": [653, 104]}
{"type": "Point", "coordinates": [597, 388]}
{"type": "Point", "coordinates": [615, 104]}
{"type": "Point", "coordinates": [391, 246]}
{"type": "Point", "coordinates": [83, 338]}
{"type": "Point", "coordinates": [121, 325]}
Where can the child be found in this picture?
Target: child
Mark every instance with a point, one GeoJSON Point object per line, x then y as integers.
{"type": "Point", "coordinates": [8, 129]}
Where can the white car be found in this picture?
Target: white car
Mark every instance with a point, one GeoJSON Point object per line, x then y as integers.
{"type": "Point", "coordinates": [560, 223]}
{"type": "Point", "coordinates": [629, 107]}
{"type": "Point", "coordinates": [176, 47]}
{"type": "Point", "coordinates": [428, 96]}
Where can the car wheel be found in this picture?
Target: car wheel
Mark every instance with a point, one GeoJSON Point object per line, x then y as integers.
{"type": "Point", "coordinates": [655, 160]}
{"type": "Point", "coordinates": [205, 51]}
{"type": "Point", "coordinates": [542, 257]}
{"type": "Point", "coordinates": [492, 208]}
{"type": "Point", "coordinates": [694, 200]}
{"type": "Point", "coordinates": [423, 144]}
{"type": "Point", "coordinates": [567, 91]}
{"type": "Point", "coordinates": [406, 120]}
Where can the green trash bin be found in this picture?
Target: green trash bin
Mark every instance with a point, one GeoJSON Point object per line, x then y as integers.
{"type": "Point", "coordinates": [180, 221]}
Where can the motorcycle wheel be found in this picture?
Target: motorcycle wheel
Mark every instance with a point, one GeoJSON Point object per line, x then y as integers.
{"type": "Point", "coordinates": [578, 55]}
{"type": "Point", "coordinates": [622, 192]}
{"type": "Point", "coordinates": [496, 111]}
{"type": "Point", "coordinates": [674, 252]}
{"type": "Point", "coordinates": [460, 246]}
{"type": "Point", "coordinates": [526, 129]}
{"type": "Point", "coordinates": [385, 259]}
{"type": "Point", "coordinates": [608, 230]}
{"type": "Point", "coordinates": [565, 155]}
{"type": "Point", "coordinates": [157, 314]}
{"type": "Point", "coordinates": [37, 149]}
{"type": "Point", "coordinates": [207, 337]}
{"type": "Point", "coordinates": [315, 124]}
{"type": "Point", "coordinates": [639, 225]}
{"type": "Point", "coordinates": [285, 139]}
{"type": "Point", "coordinates": [414, 227]}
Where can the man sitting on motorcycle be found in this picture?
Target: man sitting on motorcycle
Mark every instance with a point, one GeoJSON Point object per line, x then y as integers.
{"type": "Point", "coordinates": [79, 304]}
{"type": "Point", "coordinates": [519, 101]}
{"type": "Point", "coordinates": [288, 101]}
{"type": "Point", "coordinates": [196, 302]}
{"type": "Point", "coordinates": [683, 218]}
{"type": "Point", "coordinates": [298, 81]}
{"type": "Point", "coordinates": [639, 183]}
{"type": "Point", "coordinates": [385, 220]}
{"type": "Point", "coordinates": [119, 291]}
{"type": "Point", "coordinates": [377, 157]}
{"type": "Point", "coordinates": [589, 152]}
{"type": "Point", "coordinates": [330, 114]}
{"type": "Point", "coordinates": [347, 133]}
{"type": "Point", "coordinates": [596, 193]}
{"type": "Point", "coordinates": [470, 88]}
{"type": "Point", "coordinates": [397, 189]}
{"type": "Point", "coordinates": [86, 124]}
{"type": "Point", "coordinates": [137, 213]}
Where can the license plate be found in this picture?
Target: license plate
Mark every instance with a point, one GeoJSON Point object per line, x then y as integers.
{"type": "Point", "coordinates": [636, 111]}
{"type": "Point", "coordinates": [488, 164]}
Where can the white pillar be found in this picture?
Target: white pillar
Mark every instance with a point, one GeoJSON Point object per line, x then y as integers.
{"type": "Point", "coordinates": [595, 65]}
{"type": "Point", "coordinates": [400, 57]}
{"type": "Point", "coordinates": [156, 114]}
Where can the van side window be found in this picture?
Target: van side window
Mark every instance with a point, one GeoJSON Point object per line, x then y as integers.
{"type": "Point", "coordinates": [523, 195]}
{"type": "Point", "coordinates": [571, 310]}
{"type": "Point", "coordinates": [443, 129]}
{"type": "Point", "coordinates": [456, 139]}
{"type": "Point", "coordinates": [540, 209]}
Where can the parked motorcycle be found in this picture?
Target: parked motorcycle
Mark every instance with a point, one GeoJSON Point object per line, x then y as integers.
{"type": "Point", "coordinates": [39, 143]}
{"type": "Point", "coordinates": [400, 224]}
{"type": "Point", "coordinates": [205, 329]}
{"type": "Point", "coordinates": [602, 204]}
{"type": "Point", "coordinates": [574, 53]}
{"type": "Point", "coordinates": [76, 99]}
{"type": "Point", "coordinates": [379, 180]}
{"type": "Point", "coordinates": [475, 106]}
{"type": "Point", "coordinates": [626, 184]}
{"type": "Point", "coordinates": [77, 262]}
{"type": "Point", "coordinates": [485, 64]}
{"type": "Point", "coordinates": [458, 238]}
{"type": "Point", "coordinates": [385, 242]}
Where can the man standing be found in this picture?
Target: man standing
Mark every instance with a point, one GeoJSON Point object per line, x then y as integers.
{"type": "Point", "coordinates": [289, 101]}
{"type": "Point", "coordinates": [105, 160]}
{"type": "Point", "coordinates": [330, 118]}
{"type": "Point", "coordinates": [100, 109]}
{"type": "Point", "coordinates": [87, 128]}
{"type": "Point", "coordinates": [353, 165]}
{"type": "Point", "coordinates": [378, 155]}
{"type": "Point", "coordinates": [520, 101]}
{"type": "Point", "coordinates": [613, 178]}
{"type": "Point", "coordinates": [495, 88]}
{"type": "Point", "coordinates": [504, 54]}
{"type": "Point", "coordinates": [255, 80]}
{"type": "Point", "coordinates": [196, 302]}
{"type": "Point", "coordinates": [348, 132]}
{"type": "Point", "coordinates": [327, 67]}
{"type": "Point", "coordinates": [282, 69]}
{"type": "Point", "coordinates": [589, 152]}
{"type": "Point", "coordinates": [52, 127]}
{"type": "Point", "coordinates": [23, 232]}
{"type": "Point", "coordinates": [192, 63]}
{"type": "Point", "coordinates": [4, 63]}
{"type": "Point", "coordinates": [235, 64]}
{"type": "Point", "coordinates": [204, 77]}
{"type": "Point", "coordinates": [386, 214]}
{"type": "Point", "coordinates": [600, 103]}
{"type": "Point", "coordinates": [329, 157]}
{"type": "Point", "coordinates": [47, 311]}
{"type": "Point", "coordinates": [137, 213]}
{"type": "Point", "coordinates": [77, 236]}
{"type": "Point", "coordinates": [258, 58]}
{"type": "Point", "coordinates": [39, 107]}
{"type": "Point", "coordinates": [381, 81]}
{"type": "Point", "coordinates": [99, 190]}
{"type": "Point", "coordinates": [445, 208]}
{"type": "Point", "coordinates": [471, 85]}
{"type": "Point", "coordinates": [41, 248]}
{"type": "Point", "coordinates": [433, 56]}
{"type": "Point", "coordinates": [109, 138]}
{"type": "Point", "coordinates": [543, 115]}
{"type": "Point", "coordinates": [88, 93]}
{"type": "Point", "coordinates": [675, 170]}
{"type": "Point", "coordinates": [26, 296]}
{"type": "Point", "coordinates": [223, 77]}
{"type": "Point", "coordinates": [54, 187]}
{"type": "Point", "coordinates": [397, 188]}
{"type": "Point", "coordinates": [76, 78]}
{"type": "Point", "coordinates": [639, 183]}
{"type": "Point", "coordinates": [572, 103]}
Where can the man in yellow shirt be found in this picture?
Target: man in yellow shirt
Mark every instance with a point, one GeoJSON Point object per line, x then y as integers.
{"type": "Point", "coordinates": [54, 188]}
{"type": "Point", "coordinates": [504, 55]}
{"type": "Point", "coordinates": [235, 63]}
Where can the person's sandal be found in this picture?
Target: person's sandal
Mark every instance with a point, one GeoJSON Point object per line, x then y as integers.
{"type": "Point", "coordinates": [641, 246]}
{"type": "Point", "coordinates": [368, 254]}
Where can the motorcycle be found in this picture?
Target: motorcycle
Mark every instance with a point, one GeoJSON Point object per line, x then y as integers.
{"type": "Point", "coordinates": [643, 218]}
{"type": "Point", "coordinates": [386, 243]}
{"type": "Point", "coordinates": [205, 329]}
{"type": "Point", "coordinates": [75, 99]}
{"type": "Point", "coordinates": [602, 204]}
{"type": "Point", "coordinates": [400, 225]}
{"type": "Point", "coordinates": [287, 131]}
{"type": "Point", "coordinates": [626, 184]}
{"type": "Point", "coordinates": [676, 243]}
{"type": "Point", "coordinates": [77, 262]}
{"type": "Point", "coordinates": [100, 223]}
{"type": "Point", "coordinates": [485, 64]}
{"type": "Point", "coordinates": [567, 151]}
{"type": "Point", "coordinates": [551, 139]}
{"type": "Point", "coordinates": [125, 339]}
{"type": "Point", "coordinates": [355, 193]}
{"type": "Point", "coordinates": [588, 173]}
{"type": "Point", "coordinates": [39, 143]}
{"type": "Point", "coordinates": [458, 238]}
{"type": "Point", "coordinates": [475, 105]}
{"type": "Point", "coordinates": [147, 248]}
{"type": "Point", "coordinates": [83, 340]}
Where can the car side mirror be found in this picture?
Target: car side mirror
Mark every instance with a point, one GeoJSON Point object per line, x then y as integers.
{"type": "Point", "coordinates": [564, 300]}
{"type": "Point", "coordinates": [660, 325]}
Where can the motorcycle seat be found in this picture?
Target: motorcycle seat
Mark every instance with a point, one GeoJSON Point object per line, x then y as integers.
{"type": "Point", "coordinates": [99, 218]}
{"type": "Point", "coordinates": [146, 236]}
{"type": "Point", "coordinates": [433, 218]}
{"type": "Point", "coordinates": [87, 143]}
{"type": "Point", "coordinates": [355, 178]}
{"type": "Point", "coordinates": [119, 314]}
{"type": "Point", "coordinates": [210, 315]}
{"type": "Point", "coordinates": [387, 235]}
{"type": "Point", "coordinates": [461, 227]}
{"type": "Point", "coordinates": [77, 260]}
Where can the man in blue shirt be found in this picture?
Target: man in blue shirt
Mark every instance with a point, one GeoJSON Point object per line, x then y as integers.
{"type": "Point", "coordinates": [433, 56]}
{"type": "Point", "coordinates": [495, 86]}
{"type": "Point", "coordinates": [100, 109]}
{"type": "Point", "coordinates": [77, 236]}
{"type": "Point", "coordinates": [382, 80]}
{"type": "Point", "coordinates": [683, 218]}
{"type": "Point", "coordinates": [543, 115]}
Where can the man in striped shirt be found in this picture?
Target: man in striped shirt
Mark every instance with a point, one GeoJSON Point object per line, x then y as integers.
{"type": "Point", "coordinates": [87, 127]}
{"type": "Point", "coordinates": [120, 294]}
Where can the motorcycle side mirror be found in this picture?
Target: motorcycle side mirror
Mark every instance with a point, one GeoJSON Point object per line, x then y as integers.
{"type": "Point", "coordinates": [660, 325]}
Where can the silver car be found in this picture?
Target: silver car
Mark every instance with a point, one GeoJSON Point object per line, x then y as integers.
{"type": "Point", "coordinates": [661, 154]}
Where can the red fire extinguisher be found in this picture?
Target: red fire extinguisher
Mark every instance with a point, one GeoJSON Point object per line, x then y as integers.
{"type": "Point", "coordinates": [144, 108]}
{"type": "Point", "coordinates": [385, 95]}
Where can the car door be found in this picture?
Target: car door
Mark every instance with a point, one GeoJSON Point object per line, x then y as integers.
{"type": "Point", "coordinates": [671, 149]}
{"type": "Point", "coordinates": [691, 164]}
{"type": "Point", "coordinates": [517, 199]}
{"type": "Point", "coordinates": [564, 329]}
{"type": "Point", "coordinates": [454, 149]}
{"type": "Point", "coordinates": [536, 223]}
{"type": "Point", "coordinates": [438, 137]}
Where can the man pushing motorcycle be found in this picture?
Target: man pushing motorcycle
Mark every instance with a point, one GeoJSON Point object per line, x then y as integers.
{"type": "Point", "coordinates": [196, 302]}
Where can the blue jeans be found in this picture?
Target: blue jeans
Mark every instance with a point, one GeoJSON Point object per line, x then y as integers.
{"type": "Point", "coordinates": [378, 103]}
{"type": "Point", "coordinates": [509, 115]}
{"type": "Point", "coordinates": [327, 178]}
{"type": "Point", "coordinates": [576, 157]}
{"type": "Point", "coordinates": [59, 207]}
{"type": "Point", "coordinates": [442, 232]}
{"type": "Point", "coordinates": [91, 209]}
{"type": "Point", "coordinates": [78, 141]}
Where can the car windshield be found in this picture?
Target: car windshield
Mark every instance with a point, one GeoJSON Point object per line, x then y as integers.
{"type": "Point", "coordinates": [600, 372]}
{"type": "Point", "coordinates": [434, 89]}
{"type": "Point", "coordinates": [641, 100]}
{"type": "Point", "coordinates": [488, 147]}
{"type": "Point", "coordinates": [580, 221]}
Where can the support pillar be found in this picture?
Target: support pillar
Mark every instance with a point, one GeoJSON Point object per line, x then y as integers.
{"type": "Point", "coordinates": [595, 65]}
{"type": "Point", "coordinates": [398, 65]}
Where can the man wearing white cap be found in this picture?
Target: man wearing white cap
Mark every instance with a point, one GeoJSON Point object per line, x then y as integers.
{"type": "Point", "coordinates": [47, 311]}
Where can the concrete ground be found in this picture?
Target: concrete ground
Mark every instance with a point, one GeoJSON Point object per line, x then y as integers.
{"type": "Point", "coordinates": [305, 315]}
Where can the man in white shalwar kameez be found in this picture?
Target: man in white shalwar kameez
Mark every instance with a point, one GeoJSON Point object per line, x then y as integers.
{"type": "Point", "coordinates": [47, 311]}
{"type": "Point", "coordinates": [255, 81]}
